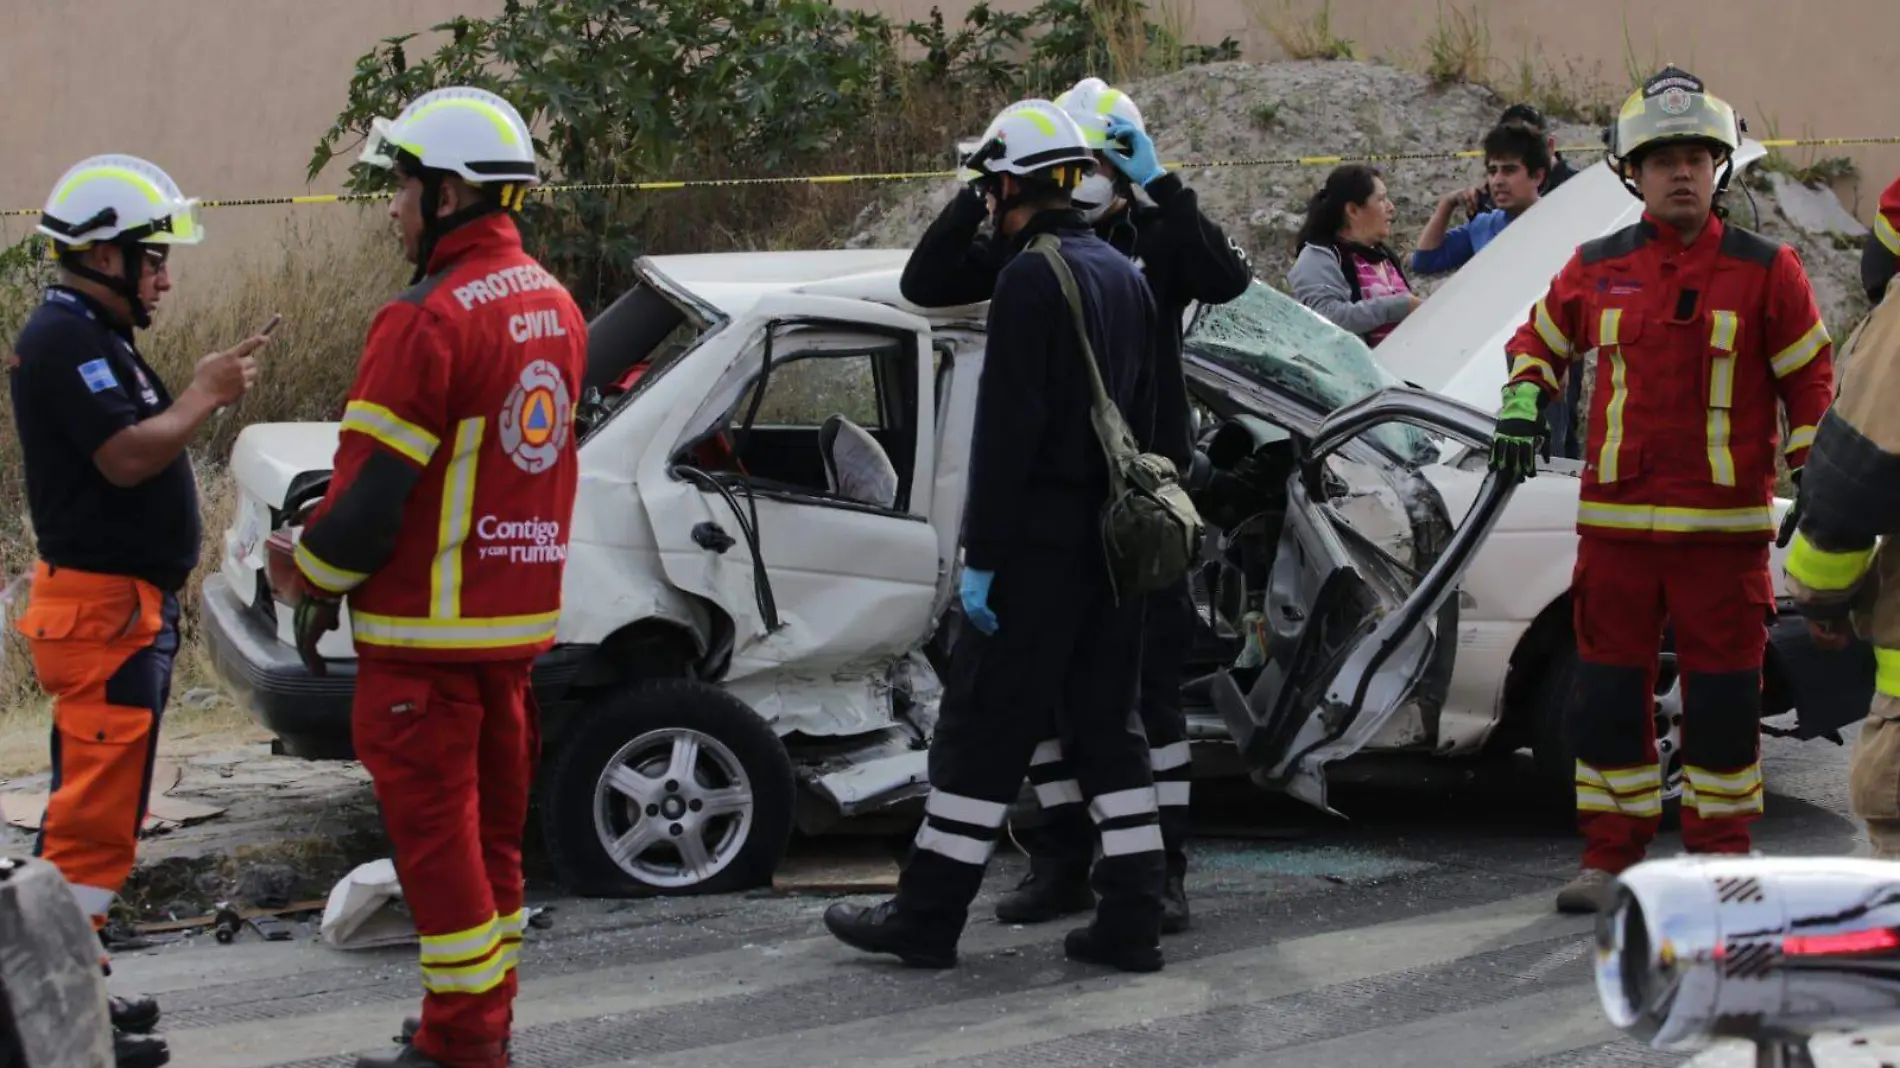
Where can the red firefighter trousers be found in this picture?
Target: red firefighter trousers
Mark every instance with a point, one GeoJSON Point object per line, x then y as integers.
{"type": "Point", "coordinates": [451, 748]}
{"type": "Point", "coordinates": [1717, 598]}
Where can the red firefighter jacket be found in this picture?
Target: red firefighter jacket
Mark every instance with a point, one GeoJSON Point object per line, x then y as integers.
{"type": "Point", "coordinates": [1695, 349]}
{"type": "Point", "coordinates": [1887, 222]}
{"type": "Point", "coordinates": [446, 520]}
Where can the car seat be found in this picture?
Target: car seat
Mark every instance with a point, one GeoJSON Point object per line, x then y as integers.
{"type": "Point", "coordinates": [856, 467]}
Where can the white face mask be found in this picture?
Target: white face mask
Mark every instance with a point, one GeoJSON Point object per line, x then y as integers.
{"type": "Point", "coordinates": [1094, 196]}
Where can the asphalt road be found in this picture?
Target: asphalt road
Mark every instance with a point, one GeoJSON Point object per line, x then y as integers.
{"type": "Point", "coordinates": [1422, 933]}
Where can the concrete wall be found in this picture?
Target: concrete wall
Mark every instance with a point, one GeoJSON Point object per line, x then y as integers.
{"type": "Point", "coordinates": [231, 95]}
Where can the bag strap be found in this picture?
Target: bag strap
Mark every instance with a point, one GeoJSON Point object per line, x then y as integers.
{"type": "Point", "coordinates": [1118, 441]}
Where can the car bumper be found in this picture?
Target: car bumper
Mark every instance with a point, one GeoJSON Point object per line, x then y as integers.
{"type": "Point", "coordinates": [1827, 688]}
{"type": "Point", "coordinates": [310, 714]}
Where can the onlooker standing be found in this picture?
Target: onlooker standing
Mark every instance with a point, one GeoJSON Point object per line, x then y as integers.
{"type": "Point", "coordinates": [1344, 270]}
{"type": "Point", "coordinates": [1516, 162]}
{"type": "Point", "coordinates": [1560, 168]}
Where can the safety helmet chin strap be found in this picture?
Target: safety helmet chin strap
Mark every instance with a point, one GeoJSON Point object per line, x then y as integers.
{"type": "Point", "coordinates": [131, 257]}
{"type": "Point", "coordinates": [435, 228]}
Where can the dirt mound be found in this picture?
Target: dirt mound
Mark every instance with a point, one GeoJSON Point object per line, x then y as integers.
{"type": "Point", "coordinates": [1240, 111]}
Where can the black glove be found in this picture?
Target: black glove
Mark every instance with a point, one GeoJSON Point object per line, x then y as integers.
{"type": "Point", "coordinates": [316, 615]}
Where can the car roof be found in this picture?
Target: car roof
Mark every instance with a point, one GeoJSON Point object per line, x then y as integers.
{"type": "Point", "coordinates": [733, 281]}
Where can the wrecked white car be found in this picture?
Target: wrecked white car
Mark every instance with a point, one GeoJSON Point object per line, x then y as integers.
{"type": "Point", "coordinates": [763, 561]}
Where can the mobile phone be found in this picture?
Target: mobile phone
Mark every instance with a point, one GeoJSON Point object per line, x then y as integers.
{"type": "Point", "coordinates": [272, 325]}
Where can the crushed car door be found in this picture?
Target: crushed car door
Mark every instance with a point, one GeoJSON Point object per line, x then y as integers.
{"type": "Point", "coordinates": [797, 499]}
{"type": "Point", "coordinates": [1349, 631]}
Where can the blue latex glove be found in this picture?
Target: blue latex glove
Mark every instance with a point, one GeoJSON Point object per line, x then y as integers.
{"type": "Point", "coordinates": [976, 599]}
{"type": "Point", "coordinates": [1142, 165]}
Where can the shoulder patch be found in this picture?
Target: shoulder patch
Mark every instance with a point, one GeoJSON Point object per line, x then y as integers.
{"type": "Point", "coordinates": [1747, 245]}
{"type": "Point", "coordinates": [419, 292]}
{"type": "Point", "coordinates": [98, 376]}
{"type": "Point", "coordinates": [1615, 246]}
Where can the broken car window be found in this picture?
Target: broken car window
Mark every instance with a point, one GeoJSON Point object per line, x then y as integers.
{"type": "Point", "coordinates": [1281, 344]}
{"type": "Point", "coordinates": [804, 392]}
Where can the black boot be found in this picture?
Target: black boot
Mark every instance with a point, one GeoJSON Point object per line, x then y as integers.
{"type": "Point", "coordinates": [133, 1015]}
{"type": "Point", "coordinates": [1051, 890]}
{"type": "Point", "coordinates": [885, 929]}
{"type": "Point", "coordinates": [1090, 946]}
{"type": "Point", "coordinates": [400, 1057]}
{"type": "Point", "coordinates": [412, 1024]}
{"type": "Point", "coordinates": [1174, 906]}
{"type": "Point", "coordinates": [139, 1051]}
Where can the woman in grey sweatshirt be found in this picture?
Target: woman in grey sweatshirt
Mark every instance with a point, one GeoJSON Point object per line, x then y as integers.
{"type": "Point", "coordinates": [1344, 271]}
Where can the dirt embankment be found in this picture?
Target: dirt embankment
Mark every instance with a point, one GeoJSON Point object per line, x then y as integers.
{"type": "Point", "coordinates": [1246, 111]}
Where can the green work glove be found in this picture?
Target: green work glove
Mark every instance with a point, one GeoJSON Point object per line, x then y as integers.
{"type": "Point", "coordinates": [1521, 435]}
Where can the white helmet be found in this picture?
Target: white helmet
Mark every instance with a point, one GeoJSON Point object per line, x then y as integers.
{"type": "Point", "coordinates": [1033, 138]}
{"type": "Point", "coordinates": [466, 131]}
{"type": "Point", "coordinates": [118, 198]}
{"type": "Point", "coordinates": [1095, 107]}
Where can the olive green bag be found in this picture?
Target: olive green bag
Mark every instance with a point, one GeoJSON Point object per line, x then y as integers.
{"type": "Point", "coordinates": [1151, 531]}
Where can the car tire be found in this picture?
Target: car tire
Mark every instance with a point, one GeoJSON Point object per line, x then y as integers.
{"type": "Point", "coordinates": [737, 802]}
{"type": "Point", "coordinates": [1554, 756]}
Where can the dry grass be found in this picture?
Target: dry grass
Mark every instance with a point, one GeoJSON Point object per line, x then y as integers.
{"type": "Point", "coordinates": [327, 283]}
{"type": "Point", "coordinates": [1312, 38]}
{"type": "Point", "coordinates": [1573, 95]}
{"type": "Point", "coordinates": [1459, 46]}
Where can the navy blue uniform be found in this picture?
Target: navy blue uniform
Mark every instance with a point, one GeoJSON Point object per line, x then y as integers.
{"type": "Point", "coordinates": [1064, 658]}
{"type": "Point", "coordinates": [1184, 257]}
{"type": "Point", "coordinates": [76, 381]}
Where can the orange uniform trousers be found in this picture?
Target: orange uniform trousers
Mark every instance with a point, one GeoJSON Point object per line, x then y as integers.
{"type": "Point", "coordinates": [450, 749]}
{"type": "Point", "coordinates": [103, 647]}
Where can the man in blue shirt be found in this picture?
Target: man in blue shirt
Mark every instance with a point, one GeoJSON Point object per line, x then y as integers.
{"type": "Point", "coordinates": [1516, 162]}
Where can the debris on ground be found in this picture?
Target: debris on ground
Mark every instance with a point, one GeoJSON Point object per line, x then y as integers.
{"type": "Point", "coordinates": [366, 910]}
{"type": "Point", "coordinates": [839, 869]}
{"type": "Point", "coordinates": [164, 813]}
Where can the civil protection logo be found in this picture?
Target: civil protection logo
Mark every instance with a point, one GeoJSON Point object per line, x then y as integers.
{"type": "Point", "coordinates": [536, 417]}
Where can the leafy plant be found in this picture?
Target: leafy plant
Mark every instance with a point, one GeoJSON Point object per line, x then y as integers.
{"type": "Point", "coordinates": [637, 90]}
{"type": "Point", "coordinates": [1459, 47]}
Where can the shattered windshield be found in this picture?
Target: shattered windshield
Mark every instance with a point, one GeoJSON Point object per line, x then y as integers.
{"type": "Point", "coordinates": [1278, 342]}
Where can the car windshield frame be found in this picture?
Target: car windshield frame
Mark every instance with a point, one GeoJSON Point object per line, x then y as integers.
{"type": "Point", "coordinates": [1272, 340]}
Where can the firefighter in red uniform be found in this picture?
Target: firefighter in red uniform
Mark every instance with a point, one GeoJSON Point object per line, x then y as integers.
{"type": "Point", "coordinates": [446, 523]}
{"type": "Point", "coordinates": [1880, 257]}
{"type": "Point", "coordinates": [1700, 330]}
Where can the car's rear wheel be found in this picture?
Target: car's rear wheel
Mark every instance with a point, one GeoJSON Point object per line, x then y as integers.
{"type": "Point", "coordinates": [669, 786]}
{"type": "Point", "coordinates": [1556, 757]}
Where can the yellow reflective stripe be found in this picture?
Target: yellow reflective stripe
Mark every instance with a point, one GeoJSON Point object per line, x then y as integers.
{"type": "Point", "coordinates": [1625, 791]}
{"type": "Point", "coordinates": [513, 925]}
{"type": "Point", "coordinates": [1621, 780]}
{"type": "Point", "coordinates": [138, 181]}
{"type": "Point", "coordinates": [1656, 517]}
{"type": "Point", "coordinates": [474, 943]}
{"type": "Point", "coordinates": [458, 510]}
{"type": "Point", "coordinates": [1547, 329]}
{"type": "Point", "coordinates": [1721, 461]}
{"type": "Point", "coordinates": [1722, 330]}
{"type": "Point", "coordinates": [503, 128]}
{"type": "Point", "coordinates": [1613, 418]}
{"type": "Point", "coordinates": [475, 633]}
{"type": "Point", "coordinates": [1802, 437]}
{"type": "Point", "coordinates": [390, 429]}
{"type": "Point", "coordinates": [1889, 236]}
{"type": "Point", "coordinates": [1887, 671]}
{"type": "Point", "coordinates": [324, 575]}
{"type": "Point", "coordinates": [477, 978]}
{"type": "Point", "coordinates": [1544, 370]}
{"type": "Point", "coordinates": [1730, 783]}
{"type": "Point", "coordinates": [1802, 352]}
{"type": "Point", "coordinates": [1826, 572]}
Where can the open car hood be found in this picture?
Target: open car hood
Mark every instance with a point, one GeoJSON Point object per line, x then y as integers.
{"type": "Point", "coordinates": [1454, 343]}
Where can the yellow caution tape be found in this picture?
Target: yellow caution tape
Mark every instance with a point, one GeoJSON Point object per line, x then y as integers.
{"type": "Point", "coordinates": [915, 176]}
